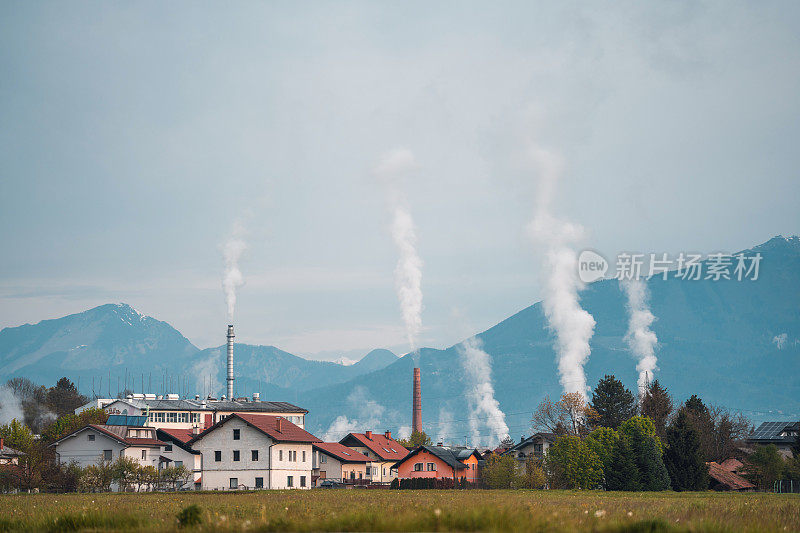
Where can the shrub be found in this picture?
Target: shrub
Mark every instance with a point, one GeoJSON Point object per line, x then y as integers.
{"type": "Point", "coordinates": [190, 516]}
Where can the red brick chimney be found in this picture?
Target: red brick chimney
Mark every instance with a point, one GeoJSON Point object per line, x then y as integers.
{"type": "Point", "coordinates": [368, 434]}
{"type": "Point", "coordinates": [388, 435]}
{"type": "Point", "coordinates": [416, 414]}
{"type": "Point", "coordinates": [278, 425]}
{"type": "Point", "coordinates": [1, 444]}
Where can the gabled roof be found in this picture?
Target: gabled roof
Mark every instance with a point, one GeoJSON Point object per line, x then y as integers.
{"type": "Point", "coordinates": [387, 449]}
{"type": "Point", "coordinates": [727, 478]}
{"type": "Point", "coordinates": [448, 455]}
{"type": "Point", "coordinates": [770, 432]}
{"type": "Point", "coordinates": [266, 424]}
{"type": "Point", "coordinates": [179, 437]}
{"type": "Point", "coordinates": [732, 464]}
{"type": "Point", "coordinates": [340, 452]}
{"type": "Point", "coordinates": [543, 436]}
{"type": "Point", "coordinates": [8, 451]}
{"type": "Point", "coordinates": [117, 433]}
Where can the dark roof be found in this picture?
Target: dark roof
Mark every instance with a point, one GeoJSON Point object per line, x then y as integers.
{"type": "Point", "coordinates": [8, 451]}
{"type": "Point", "coordinates": [117, 433]}
{"type": "Point", "coordinates": [387, 449]}
{"type": "Point", "coordinates": [340, 452]}
{"type": "Point", "coordinates": [544, 436]}
{"type": "Point", "coordinates": [268, 425]}
{"type": "Point", "coordinates": [449, 455]}
{"type": "Point", "coordinates": [212, 405]}
{"type": "Point", "coordinates": [179, 437]}
{"type": "Point", "coordinates": [728, 479]}
{"type": "Point", "coordinates": [770, 432]}
{"type": "Point", "coordinates": [126, 420]}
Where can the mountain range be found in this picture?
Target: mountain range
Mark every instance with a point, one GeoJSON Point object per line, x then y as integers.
{"type": "Point", "coordinates": [734, 343]}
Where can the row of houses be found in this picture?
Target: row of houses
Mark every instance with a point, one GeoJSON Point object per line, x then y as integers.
{"type": "Point", "coordinates": [245, 443]}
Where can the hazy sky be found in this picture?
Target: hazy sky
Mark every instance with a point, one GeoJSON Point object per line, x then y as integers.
{"type": "Point", "coordinates": [134, 134]}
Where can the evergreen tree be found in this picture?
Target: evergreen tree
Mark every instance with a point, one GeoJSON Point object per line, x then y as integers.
{"type": "Point", "coordinates": [684, 456]}
{"type": "Point", "coordinates": [657, 405]}
{"type": "Point", "coordinates": [64, 398]}
{"type": "Point", "coordinates": [613, 402]}
{"type": "Point", "coordinates": [646, 449]}
{"type": "Point", "coordinates": [696, 405]}
{"type": "Point", "coordinates": [622, 473]}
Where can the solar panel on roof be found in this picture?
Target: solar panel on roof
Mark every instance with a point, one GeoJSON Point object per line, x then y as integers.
{"type": "Point", "coordinates": [768, 430]}
{"type": "Point", "coordinates": [126, 420]}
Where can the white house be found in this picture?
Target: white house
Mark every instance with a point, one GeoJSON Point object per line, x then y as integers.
{"type": "Point", "coordinates": [97, 442]}
{"type": "Point", "coordinates": [382, 451]}
{"type": "Point", "coordinates": [172, 412]}
{"type": "Point", "coordinates": [534, 446]}
{"type": "Point", "coordinates": [335, 461]}
{"type": "Point", "coordinates": [179, 453]}
{"type": "Point", "coordinates": [247, 450]}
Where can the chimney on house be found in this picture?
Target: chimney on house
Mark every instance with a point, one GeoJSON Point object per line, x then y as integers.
{"type": "Point", "coordinates": [416, 415]}
{"type": "Point", "coordinates": [278, 425]}
{"type": "Point", "coordinates": [388, 435]}
{"type": "Point", "coordinates": [195, 430]}
{"type": "Point", "coordinates": [368, 434]}
{"type": "Point", "coordinates": [1, 444]}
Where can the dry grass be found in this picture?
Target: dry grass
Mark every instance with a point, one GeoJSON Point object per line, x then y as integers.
{"type": "Point", "coordinates": [368, 510]}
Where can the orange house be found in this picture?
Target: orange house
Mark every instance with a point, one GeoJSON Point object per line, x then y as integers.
{"type": "Point", "coordinates": [440, 462]}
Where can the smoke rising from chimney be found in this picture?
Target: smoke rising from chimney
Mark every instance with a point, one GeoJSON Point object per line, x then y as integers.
{"type": "Point", "coordinates": [232, 252]}
{"type": "Point", "coordinates": [391, 167]}
{"type": "Point", "coordinates": [484, 407]}
{"type": "Point", "coordinates": [573, 326]}
{"type": "Point", "coordinates": [641, 340]}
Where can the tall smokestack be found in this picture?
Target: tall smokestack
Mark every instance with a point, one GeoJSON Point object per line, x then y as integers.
{"type": "Point", "coordinates": [230, 361]}
{"type": "Point", "coordinates": [416, 415]}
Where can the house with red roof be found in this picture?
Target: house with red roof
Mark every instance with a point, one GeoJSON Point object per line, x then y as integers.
{"type": "Point", "coordinates": [254, 451]}
{"type": "Point", "coordinates": [335, 461]}
{"type": "Point", "coordinates": [382, 451]}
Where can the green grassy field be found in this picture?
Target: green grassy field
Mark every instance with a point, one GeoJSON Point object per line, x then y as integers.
{"type": "Point", "coordinates": [372, 510]}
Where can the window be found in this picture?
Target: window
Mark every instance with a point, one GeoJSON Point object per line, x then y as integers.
{"type": "Point", "coordinates": [168, 448]}
{"type": "Point", "coordinates": [157, 417]}
{"type": "Point", "coordinates": [289, 481]}
{"type": "Point", "coordinates": [417, 467]}
{"type": "Point", "coordinates": [107, 455]}
{"type": "Point", "coordinates": [172, 417]}
{"type": "Point", "coordinates": [294, 455]}
{"type": "Point", "coordinates": [236, 434]}
{"type": "Point", "coordinates": [304, 458]}
{"type": "Point", "coordinates": [183, 417]}
{"type": "Point", "coordinates": [90, 437]}
{"type": "Point", "coordinates": [259, 482]}
{"type": "Point", "coordinates": [302, 481]}
{"type": "Point", "coordinates": [235, 455]}
{"type": "Point", "coordinates": [280, 455]}
{"type": "Point", "coordinates": [144, 454]}
{"type": "Point", "coordinates": [234, 483]}
{"type": "Point", "coordinates": [195, 418]}
{"type": "Point", "coordinates": [254, 455]}
{"type": "Point", "coordinates": [323, 458]}
{"type": "Point", "coordinates": [431, 467]}
{"type": "Point", "coordinates": [384, 471]}
{"type": "Point", "coordinates": [178, 464]}
{"type": "Point", "coordinates": [367, 470]}
{"type": "Point", "coordinates": [218, 456]}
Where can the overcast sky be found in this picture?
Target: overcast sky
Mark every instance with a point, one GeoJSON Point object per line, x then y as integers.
{"type": "Point", "coordinates": [134, 134]}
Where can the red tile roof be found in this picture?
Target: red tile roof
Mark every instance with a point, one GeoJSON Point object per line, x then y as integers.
{"type": "Point", "coordinates": [183, 435]}
{"type": "Point", "coordinates": [732, 465]}
{"type": "Point", "coordinates": [267, 424]}
{"type": "Point", "coordinates": [387, 449]}
{"type": "Point", "coordinates": [728, 479]}
{"type": "Point", "coordinates": [341, 452]}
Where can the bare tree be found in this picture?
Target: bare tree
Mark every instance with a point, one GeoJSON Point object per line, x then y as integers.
{"type": "Point", "coordinates": [570, 415]}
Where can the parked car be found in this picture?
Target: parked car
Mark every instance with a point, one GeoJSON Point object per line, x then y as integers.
{"type": "Point", "coordinates": [331, 484]}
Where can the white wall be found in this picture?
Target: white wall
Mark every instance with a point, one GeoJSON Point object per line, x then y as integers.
{"type": "Point", "coordinates": [273, 464]}
{"type": "Point", "coordinates": [80, 449]}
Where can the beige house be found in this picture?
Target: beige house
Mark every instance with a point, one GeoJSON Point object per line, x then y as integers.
{"type": "Point", "coordinates": [383, 452]}
{"type": "Point", "coordinates": [335, 461]}
{"type": "Point", "coordinates": [254, 451]}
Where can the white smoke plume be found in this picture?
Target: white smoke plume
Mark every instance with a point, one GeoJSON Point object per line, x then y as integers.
{"type": "Point", "coordinates": [205, 370]}
{"type": "Point", "coordinates": [232, 252]}
{"type": "Point", "coordinates": [484, 408]}
{"type": "Point", "coordinates": [446, 425]}
{"type": "Point", "coordinates": [10, 406]}
{"type": "Point", "coordinates": [408, 274]}
{"type": "Point", "coordinates": [573, 326]}
{"type": "Point", "coordinates": [641, 340]}
{"type": "Point", "coordinates": [368, 415]}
